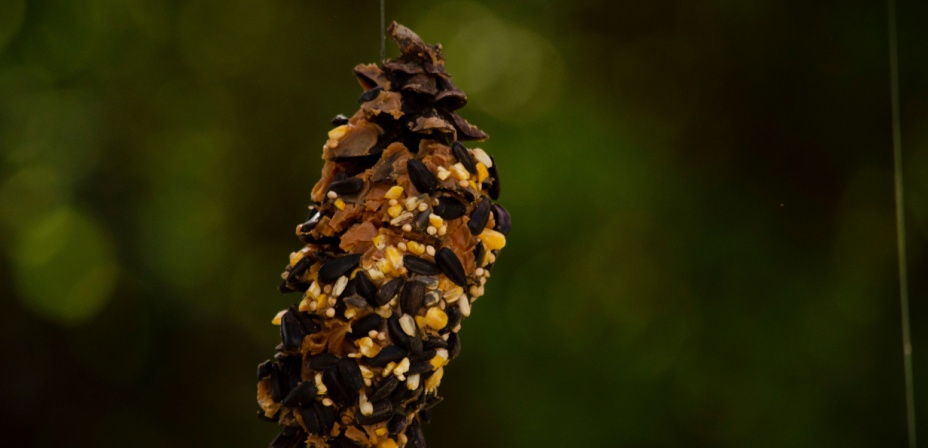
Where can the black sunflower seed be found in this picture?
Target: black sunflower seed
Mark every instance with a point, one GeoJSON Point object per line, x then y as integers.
{"type": "Point", "coordinates": [385, 388]}
{"type": "Point", "coordinates": [397, 424]}
{"type": "Point", "coordinates": [450, 265]}
{"type": "Point", "coordinates": [339, 120]}
{"type": "Point", "coordinates": [383, 410]}
{"type": "Point", "coordinates": [449, 208]}
{"type": "Point", "coordinates": [421, 177]}
{"type": "Point", "coordinates": [299, 268]}
{"type": "Point", "coordinates": [363, 286]}
{"type": "Point", "coordinates": [434, 342]}
{"type": "Point", "coordinates": [350, 374]}
{"type": "Point", "coordinates": [361, 327]}
{"type": "Point", "coordinates": [291, 331]}
{"type": "Point", "coordinates": [311, 420]}
{"type": "Point", "coordinates": [264, 369]}
{"type": "Point", "coordinates": [396, 331]}
{"type": "Point", "coordinates": [495, 188]}
{"type": "Point", "coordinates": [422, 221]}
{"type": "Point", "coordinates": [415, 436]}
{"type": "Point", "coordinates": [431, 298]}
{"type": "Point", "coordinates": [369, 95]}
{"type": "Point", "coordinates": [301, 394]}
{"type": "Point", "coordinates": [280, 384]}
{"type": "Point", "coordinates": [347, 186]}
{"type": "Point", "coordinates": [311, 221]}
{"type": "Point", "coordinates": [307, 321]}
{"type": "Point", "coordinates": [355, 301]}
{"type": "Point", "coordinates": [420, 366]}
{"type": "Point", "coordinates": [463, 155]}
{"type": "Point", "coordinates": [415, 345]}
{"type": "Point", "coordinates": [425, 416]}
{"type": "Point", "coordinates": [345, 442]}
{"type": "Point", "coordinates": [479, 252]}
{"type": "Point", "coordinates": [291, 365]}
{"type": "Point", "coordinates": [502, 218]}
{"type": "Point", "coordinates": [454, 345]}
{"type": "Point", "coordinates": [412, 297]}
{"type": "Point", "coordinates": [322, 361]}
{"type": "Point", "coordinates": [420, 265]}
{"type": "Point", "coordinates": [431, 401]}
{"type": "Point", "coordinates": [479, 218]}
{"type": "Point", "coordinates": [390, 353]}
{"type": "Point", "coordinates": [336, 391]}
{"type": "Point", "coordinates": [337, 267]}
{"type": "Point", "coordinates": [326, 416]}
{"type": "Point", "coordinates": [388, 290]}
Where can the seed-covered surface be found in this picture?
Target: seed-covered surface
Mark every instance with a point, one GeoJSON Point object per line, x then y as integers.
{"type": "Point", "coordinates": [398, 245]}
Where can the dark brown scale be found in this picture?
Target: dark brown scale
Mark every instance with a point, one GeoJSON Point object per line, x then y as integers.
{"type": "Point", "coordinates": [480, 217]}
{"type": "Point", "coordinates": [337, 267]}
{"type": "Point", "coordinates": [397, 424]}
{"type": "Point", "coordinates": [264, 369]}
{"type": "Point", "coordinates": [289, 437]}
{"type": "Point", "coordinates": [463, 155]}
{"type": "Point", "coordinates": [421, 177]}
{"type": "Point", "coordinates": [420, 265]}
{"type": "Point", "coordinates": [415, 436]}
{"type": "Point", "coordinates": [479, 252]}
{"type": "Point", "coordinates": [450, 265]}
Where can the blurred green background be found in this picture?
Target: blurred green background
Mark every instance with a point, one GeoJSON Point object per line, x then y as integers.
{"type": "Point", "coordinates": [703, 252]}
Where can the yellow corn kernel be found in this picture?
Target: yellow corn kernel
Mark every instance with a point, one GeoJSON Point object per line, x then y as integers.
{"type": "Point", "coordinates": [434, 380]}
{"type": "Point", "coordinates": [436, 220]}
{"type": "Point", "coordinates": [367, 347]}
{"type": "Point", "coordinates": [338, 132]}
{"type": "Point", "coordinates": [378, 241]}
{"type": "Point", "coordinates": [394, 192]}
{"type": "Point", "coordinates": [492, 239]}
{"type": "Point", "coordinates": [420, 322]}
{"type": "Point", "coordinates": [305, 304]}
{"type": "Point", "coordinates": [482, 172]}
{"type": "Point", "coordinates": [384, 266]}
{"type": "Point", "coordinates": [393, 256]}
{"type": "Point", "coordinates": [295, 257]}
{"type": "Point", "coordinates": [473, 186]}
{"type": "Point", "coordinates": [395, 210]}
{"type": "Point", "coordinates": [386, 443]}
{"type": "Point", "coordinates": [459, 172]}
{"type": "Point", "coordinates": [440, 359]}
{"type": "Point", "coordinates": [436, 318]}
{"type": "Point", "coordinates": [442, 173]}
{"type": "Point", "coordinates": [280, 315]}
{"type": "Point", "coordinates": [415, 247]}
{"type": "Point", "coordinates": [339, 204]}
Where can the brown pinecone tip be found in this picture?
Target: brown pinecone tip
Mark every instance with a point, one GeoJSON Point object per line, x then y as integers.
{"type": "Point", "coordinates": [413, 48]}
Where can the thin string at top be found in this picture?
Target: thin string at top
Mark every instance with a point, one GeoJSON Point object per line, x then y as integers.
{"type": "Point", "coordinates": [383, 33]}
{"type": "Point", "coordinates": [900, 223]}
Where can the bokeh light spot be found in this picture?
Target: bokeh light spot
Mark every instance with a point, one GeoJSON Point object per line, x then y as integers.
{"type": "Point", "coordinates": [64, 266]}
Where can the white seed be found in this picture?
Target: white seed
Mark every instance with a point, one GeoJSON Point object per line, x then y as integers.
{"type": "Point", "coordinates": [482, 157]}
{"type": "Point", "coordinates": [400, 370]}
{"type": "Point", "coordinates": [464, 306]}
{"type": "Point", "coordinates": [423, 207]}
{"type": "Point", "coordinates": [401, 245]}
{"type": "Point", "coordinates": [412, 383]}
{"type": "Point", "coordinates": [407, 228]}
{"type": "Point", "coordinates": [330, 313]}
{"type": "Point", "coordinates": [366, 408]}
{"type": "Point", "coordinates": [332, 195]}
{"type": "Point", "coordinates": [430, 250]}
{"type": "Point", "coordinates": [340, 285]}
{"type": "Point", "coordinates": [408, 324]}
{"type": "Point", "coordinates": [431, 230]}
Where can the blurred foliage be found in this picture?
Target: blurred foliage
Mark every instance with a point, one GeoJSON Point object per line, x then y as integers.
{"type": "Point", "coordinates": [703, 251]}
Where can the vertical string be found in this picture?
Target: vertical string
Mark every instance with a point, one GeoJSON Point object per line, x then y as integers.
{"type": "Point", "coordinates": [383, 33]}
{"type": "Point", "coordinates": [900, 222]}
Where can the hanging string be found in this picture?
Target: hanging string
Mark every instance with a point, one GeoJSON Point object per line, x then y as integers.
{"type": "Point", "coordinates": [383, 33]}
{"type": "Point", "coordinates": [900, 222]}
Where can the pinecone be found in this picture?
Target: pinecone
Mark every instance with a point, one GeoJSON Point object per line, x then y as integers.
{"type": "Point", "coordinates": [400, 240]}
